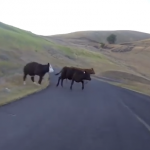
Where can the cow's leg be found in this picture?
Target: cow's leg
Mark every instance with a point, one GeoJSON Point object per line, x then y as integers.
{"type": "Point", "coordinates": [82, 84]}
{"type": "Point", "coordinates": [58, 81]}
{"type": "Point", "coordinates": [62, 82]}
{"type": "Point", "coordinates": [86, 82]}
{"type": "Point", "coordinates": [71, 84]}
{"type": "Point", "coordinates": [24, 78]}
{"type": "Point", "coordinates": [40, 80]}
{"type": "Point", "coordinates": [32, 79]}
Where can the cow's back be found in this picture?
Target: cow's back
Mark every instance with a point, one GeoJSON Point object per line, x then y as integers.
{"type": "Point", "coordinates": [76, 74]}
{"type": "Point", "coordinates": [70, 72]}
{"type": "Point", "coordinates": [90, 71]}
{"type": "Point", "coordinates": [31, 68]}
{"type": "Point", "coordinates": [67, 73]}
{"type": "Point", "coordinates": [64, 72]}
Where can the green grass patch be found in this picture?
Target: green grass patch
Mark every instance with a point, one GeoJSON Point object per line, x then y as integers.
{"type": "Point", "coordinates": [78, 52]}
{"type": "Point", "coordinates": [11, 37]}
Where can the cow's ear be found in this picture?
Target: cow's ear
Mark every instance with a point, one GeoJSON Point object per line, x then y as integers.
{"type": "Point", "coordinates": [48, 64]}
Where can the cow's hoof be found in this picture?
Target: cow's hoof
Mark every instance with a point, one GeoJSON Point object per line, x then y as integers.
{"type": "Point", "coordinates": [35, 83]}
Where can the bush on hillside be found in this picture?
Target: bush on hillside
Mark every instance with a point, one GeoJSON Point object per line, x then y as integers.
{"type": "Point", "coordinates": [111, 39]}
{"type": "Point", "coordinates": [102, 45]}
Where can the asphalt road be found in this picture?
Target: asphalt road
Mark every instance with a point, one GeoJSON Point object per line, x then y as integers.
{"type": "Point", "coordinates": [101, 117]}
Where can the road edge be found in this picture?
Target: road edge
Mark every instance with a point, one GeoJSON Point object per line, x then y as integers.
{"type": "Point", "coordinates": [23, 96]}
{"type": "Point", "coordinates": [115, 83]}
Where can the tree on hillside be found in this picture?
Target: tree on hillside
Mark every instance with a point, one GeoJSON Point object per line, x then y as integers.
{"type": "Point", "coordinates": [111, 39]}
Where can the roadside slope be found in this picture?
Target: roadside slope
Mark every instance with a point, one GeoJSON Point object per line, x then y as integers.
{"type": "Point", "coordinates": [17, 47]}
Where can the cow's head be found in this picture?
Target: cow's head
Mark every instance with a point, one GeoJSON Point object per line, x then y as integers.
{"type": "Point", "coordinates": [45, 67]}
{"type": "Point", "coordinates": [51, 69]}
{"type": "Point", "coordinates": [48, 68]}
{"type": "Point", "coordinates": [86, 76]}
{"type": "Point", "coordinates": [92, 71]}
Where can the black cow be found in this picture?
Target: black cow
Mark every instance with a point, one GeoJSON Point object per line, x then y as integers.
{"type": "Point", "coordinates": [90, 71]}
{"type": "Point", "coordinates": [74, 75]}
{"type": "Point", "coordinates": [34, 68]}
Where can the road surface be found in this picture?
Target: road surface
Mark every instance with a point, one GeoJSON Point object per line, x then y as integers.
{"type": "Point", "coordinates": [101, 117]}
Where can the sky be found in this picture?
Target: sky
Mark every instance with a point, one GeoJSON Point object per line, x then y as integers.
{"type": "Point", "coordinates": [50, 17]}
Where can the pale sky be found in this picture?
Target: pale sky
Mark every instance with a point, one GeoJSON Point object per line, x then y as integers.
{"type": "Point", "coordinates": [49, 17]}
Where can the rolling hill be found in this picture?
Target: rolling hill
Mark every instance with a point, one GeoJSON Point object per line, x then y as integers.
{"type": "Point", "coordinates": [101, 36]}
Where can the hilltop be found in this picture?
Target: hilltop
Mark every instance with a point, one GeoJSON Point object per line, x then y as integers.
{"type": "Point", "coordinates": [101, 36]}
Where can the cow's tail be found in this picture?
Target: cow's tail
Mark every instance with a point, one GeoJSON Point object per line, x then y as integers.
{"type": "Point", "coordinates": [58, 73]}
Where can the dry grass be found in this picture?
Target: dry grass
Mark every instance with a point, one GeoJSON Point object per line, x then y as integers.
{"type": "Point", "coordinates": [12, 88]}
{"type": "Point", "coordinates": [136, 61]}
{"type": "Point", "coordinates": [101, 36]}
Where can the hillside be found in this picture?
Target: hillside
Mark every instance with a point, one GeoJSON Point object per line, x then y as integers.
{"type": "Point", "coordinates": [131, 57]}
{"type": "Point", "coordinates": [134, 55]}
{"type": "Point", "coordinates": [100, 36]}
{"type": "Point", "coordinates": [18, 47]}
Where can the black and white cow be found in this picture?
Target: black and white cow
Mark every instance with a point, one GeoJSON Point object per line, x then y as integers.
{"type": "Point", "coordinates": [34, 68]}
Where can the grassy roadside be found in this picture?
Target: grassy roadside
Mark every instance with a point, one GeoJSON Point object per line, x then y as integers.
{"type": "Point", "coordinates": [17, 47]}
{"type": "Point", "coordinates": [137, 87]}
{"type": "Point", "coordinates": [133, 86]}
{"type": "Point", "coordinates": [12, 88]}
